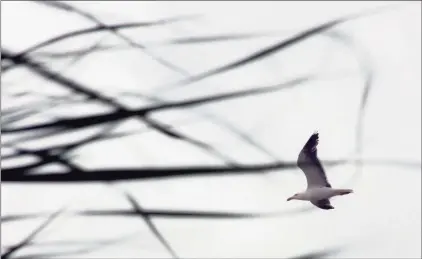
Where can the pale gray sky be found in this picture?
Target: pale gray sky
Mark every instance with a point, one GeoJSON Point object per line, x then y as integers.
{"type": "Point", "coordinates": [380, 220]}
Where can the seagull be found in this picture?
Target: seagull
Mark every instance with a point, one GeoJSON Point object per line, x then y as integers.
{"type": "Point", "coordinates": [319, 190]}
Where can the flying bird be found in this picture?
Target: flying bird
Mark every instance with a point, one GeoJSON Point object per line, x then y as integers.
{"type": "Point", "coordinates": [319, 190]}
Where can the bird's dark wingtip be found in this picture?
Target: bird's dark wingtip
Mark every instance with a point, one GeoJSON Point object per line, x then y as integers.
{"type": "Point", "coordinates": [312, 141]}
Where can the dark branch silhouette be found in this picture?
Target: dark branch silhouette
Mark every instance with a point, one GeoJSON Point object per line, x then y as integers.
{"type": "Point", "coordinates": [31, 237]}
{"type": "Point", "coordinates": [119, 174]}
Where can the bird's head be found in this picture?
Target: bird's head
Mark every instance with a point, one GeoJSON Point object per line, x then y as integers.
{"type": "Point", "coordinates": [297, 196]}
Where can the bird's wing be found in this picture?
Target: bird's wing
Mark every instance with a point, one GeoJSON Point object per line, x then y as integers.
{"type": "Point", "coordinates": [309, 163]}
{"type": "Point", "coordinates": [323, 204]}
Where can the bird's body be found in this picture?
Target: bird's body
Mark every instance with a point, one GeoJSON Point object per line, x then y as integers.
{"type": "Point", "coordinates": [319, 190]}
{"type": "Point", "coordinates": [318, 193]}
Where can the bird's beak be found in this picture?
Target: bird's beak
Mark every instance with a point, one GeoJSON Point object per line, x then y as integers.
{"type": "Point", "coordinates": [289, 199]}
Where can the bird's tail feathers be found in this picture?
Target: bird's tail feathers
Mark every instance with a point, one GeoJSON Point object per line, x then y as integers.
{"type": "Point", "coordinates": [343, 191]}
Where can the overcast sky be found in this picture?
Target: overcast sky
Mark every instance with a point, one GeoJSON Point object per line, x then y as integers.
{"type": "Point", "coordinates": [380, 220]}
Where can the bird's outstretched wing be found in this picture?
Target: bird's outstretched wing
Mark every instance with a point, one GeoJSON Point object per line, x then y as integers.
{"type": "Point", "coordinates": [309, 163]}
{"type": "Point", "coordinates": [323, 204]}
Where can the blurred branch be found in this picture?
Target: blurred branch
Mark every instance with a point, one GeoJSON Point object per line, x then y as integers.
{"type": "Point", "coordinates": [150, 212]}
{"type": "Point", "coordinates": [124, 114]}
{"type": "Point", "coordinates": [94, 29]}
{"type": "Point", "coordinates": [172, 41]}
{"type": "Point", "coordinates": [88, 16]}
{"type": "Point", "coordinates": [138, 209]}
{"type": "Point", "coordinates": [280, 46]}
{"type": "Point", "coordinates": [121, 112]}
{"type": "Point", "coordinates": [368, 74]}
{"type": "Point", "coordinates": [29, 238]}
{"type": "Point", "coordinates": [317, 255]}
{"type": "Point", "coordinates": [204, 146]}
{"type": "Point", "coordinates": [9, 175]}
{"type": "Point", "coordinates": [121, 174]}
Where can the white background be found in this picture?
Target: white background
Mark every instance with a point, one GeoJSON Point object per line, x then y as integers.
{"type": "Point", "coordinates": [380, 220]}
